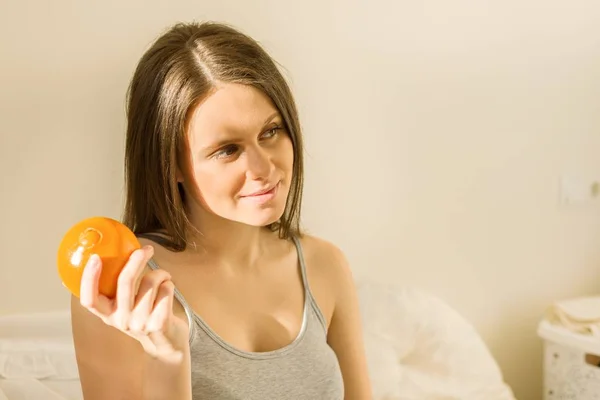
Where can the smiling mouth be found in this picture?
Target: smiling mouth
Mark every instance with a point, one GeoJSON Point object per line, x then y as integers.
{"type": "Point", "coordinates": [263, 193]}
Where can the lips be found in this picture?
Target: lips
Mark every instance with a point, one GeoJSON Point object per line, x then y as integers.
{"type": "Point", "coordinates": [261, 192]}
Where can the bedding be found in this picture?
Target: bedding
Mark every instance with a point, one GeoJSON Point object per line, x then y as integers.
{"type": "Point", "coordinates": [37, 359]}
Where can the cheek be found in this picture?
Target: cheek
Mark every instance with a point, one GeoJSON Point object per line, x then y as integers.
{"type": "Point", "coordinates": [217, 181]}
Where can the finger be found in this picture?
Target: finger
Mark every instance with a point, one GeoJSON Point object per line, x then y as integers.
{"type": "Point", "coordinates": [89, 295]}
{"type": "Point", "coordinates": [146, 296]}
{"type": "Point", "coordinates": [163, 349]}
{"type": "Point", "coordinates": [159, 322]}
{"type": "Point", "coordinates": [163, 308]}
{"type": "Point", "coordinates": [126, 286]}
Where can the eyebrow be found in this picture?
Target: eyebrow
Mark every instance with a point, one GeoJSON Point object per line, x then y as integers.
{"type": "Point", "coordinates": [272, 117]}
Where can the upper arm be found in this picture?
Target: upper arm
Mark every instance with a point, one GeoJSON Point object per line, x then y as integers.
{"type": "Point", "coordinates": [109, 361]}
{"type": "Point", "coordinates": [345, 330]}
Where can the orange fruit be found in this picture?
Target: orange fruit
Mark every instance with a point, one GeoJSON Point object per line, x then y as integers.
{"type": "Point", "coordinates": [106, 237]}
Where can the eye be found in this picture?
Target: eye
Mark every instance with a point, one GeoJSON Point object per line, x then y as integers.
{"type": "Point", "coordinates": [226, 151]}
{"type": "Point", "coordinates": [271, 133]}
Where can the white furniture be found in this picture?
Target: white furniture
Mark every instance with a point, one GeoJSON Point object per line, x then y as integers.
{"type": "Point", "coordinates": [417, 347]}
{"type": "Point", "coordinates": [567, 374]}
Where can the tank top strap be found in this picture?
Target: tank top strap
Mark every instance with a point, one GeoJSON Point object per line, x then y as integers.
{"type": "Point", "coordinates": [154, 266]}
{"type": "Point", "coordinates": [186, 307]}
{"type": "Point", "coordinates": [154, 237]}
{"type": "Point", "coordinates": [307, 291]}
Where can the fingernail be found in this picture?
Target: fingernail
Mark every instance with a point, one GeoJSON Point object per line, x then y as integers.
{"type": "Point", "coordinates": [149, 250]}
{"type": "Point", "coordinates": [93, 261]}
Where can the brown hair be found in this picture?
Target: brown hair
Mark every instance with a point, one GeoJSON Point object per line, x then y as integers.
{"type": "Point", "coordinates": [180, 69]}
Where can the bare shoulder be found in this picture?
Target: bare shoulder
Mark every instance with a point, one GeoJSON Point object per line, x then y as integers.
{"type": "Point", "coordinates": [329, 258]}
{"type": "Point", "coordinates": [329, 273]}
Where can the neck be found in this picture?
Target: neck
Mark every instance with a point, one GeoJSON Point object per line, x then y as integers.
{"type": "Point", "coordinates": [227, 243]}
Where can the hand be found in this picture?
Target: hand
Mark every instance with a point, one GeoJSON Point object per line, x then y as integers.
{"type": "Point", "coordinates": [142, 308]}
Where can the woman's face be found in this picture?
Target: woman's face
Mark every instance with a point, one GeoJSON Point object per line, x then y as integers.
{"type": "Point", "coordinates": [240, 157]}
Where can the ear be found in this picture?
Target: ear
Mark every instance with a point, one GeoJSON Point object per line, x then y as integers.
{"type": "Point", "coordinates": [182, 161]}
{"type": "Point", "coordinates": [179, 175]}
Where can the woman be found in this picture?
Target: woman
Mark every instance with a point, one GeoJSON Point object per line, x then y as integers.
{"type": "Point", "coordinates": [227, 299]}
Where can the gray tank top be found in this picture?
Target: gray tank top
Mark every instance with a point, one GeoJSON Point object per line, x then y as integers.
{"type": "Point", "coordinates": [305, 369]}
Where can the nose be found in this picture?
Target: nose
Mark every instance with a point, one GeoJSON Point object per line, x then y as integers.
{"type": "Point", "coordinates": [259, 163]}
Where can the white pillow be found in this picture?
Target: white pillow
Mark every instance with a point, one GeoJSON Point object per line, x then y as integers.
{"type": "Point", "coordinates": [418, 348]}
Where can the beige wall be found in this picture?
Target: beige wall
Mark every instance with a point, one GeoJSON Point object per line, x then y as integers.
{"type": "Point", "coordinates": [436, 136]}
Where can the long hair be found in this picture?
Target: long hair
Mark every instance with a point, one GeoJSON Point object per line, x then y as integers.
{"type": "Point", "coordinates": [179, 70]}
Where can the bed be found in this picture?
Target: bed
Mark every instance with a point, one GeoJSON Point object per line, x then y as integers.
{"type": "Point", "coordinates": [37, 360]}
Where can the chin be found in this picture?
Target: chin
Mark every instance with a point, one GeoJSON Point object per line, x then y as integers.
{"type": "Point", "coordinates": [260, 217]}
{"type": "Point", "coordinates": [263, 220]}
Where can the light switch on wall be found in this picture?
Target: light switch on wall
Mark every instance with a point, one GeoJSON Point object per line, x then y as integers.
{"type": "Point", "coordinates": [579, 190]}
